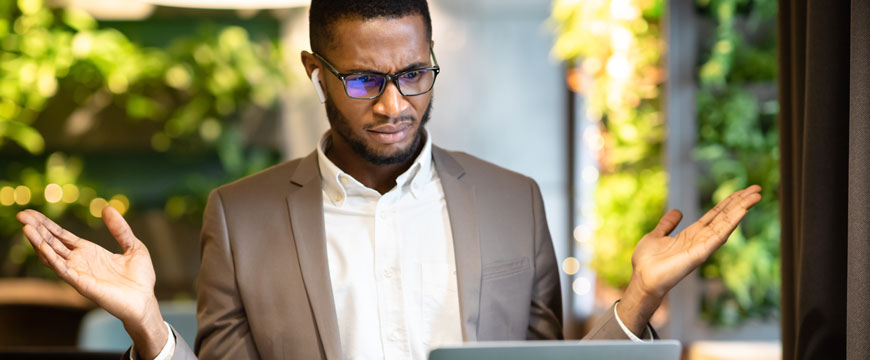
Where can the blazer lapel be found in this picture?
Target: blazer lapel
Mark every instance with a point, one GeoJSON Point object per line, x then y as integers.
{"type": "Point", "coordinates": [306, 218]}
{"type": "Point", "coordinates": [461, 210]}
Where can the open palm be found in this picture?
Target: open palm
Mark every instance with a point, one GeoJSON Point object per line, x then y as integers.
{"type": "Point", "coordinates": [661, 261]}
{"type": "Point", "coordinates": [122, 284]}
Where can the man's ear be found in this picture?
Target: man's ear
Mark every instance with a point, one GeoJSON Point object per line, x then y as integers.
{"type": "Point", "coordinates": [309, 62]}
{"type": "Point", "coordinates": [313, 70]}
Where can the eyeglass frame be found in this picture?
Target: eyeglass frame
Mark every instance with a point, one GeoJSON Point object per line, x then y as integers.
{"type": "Point", "coordinates": [389, 77]}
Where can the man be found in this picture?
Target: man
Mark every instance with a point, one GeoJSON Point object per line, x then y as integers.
{"type": "Point", "coordinates": [378, 244]}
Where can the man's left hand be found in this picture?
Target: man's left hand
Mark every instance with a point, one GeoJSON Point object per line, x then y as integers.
{"type": "Point", "coordinates": [660, 261]}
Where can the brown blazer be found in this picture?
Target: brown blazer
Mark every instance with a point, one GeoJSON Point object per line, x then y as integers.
{"type": "Point", "coordinates": [264, 289]}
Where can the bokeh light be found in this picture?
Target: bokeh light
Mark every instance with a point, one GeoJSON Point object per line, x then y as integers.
{"type": "Point", "coordinates": [582, 286]}
{"type": "Point", "coordinates": [582, 234]}
{"type": "Point", "coordinates": [592, 137]}
{"type": "Point", "coordinates": [210, 129]}
{"type": "Point", "coordinates": [570, 265]}
{"type": "Point", "coordinates": [70, 193]}
{"type": "Point", "coordinates": [590, 174]}
{"type": "Point", "coordinates": [619, 67]}
{"type": "Point", "coordinates": [178, 77]}
{"type": "Point", "coordinates": [96, 207]}
{"type": "Point", "coordinates": [53, 193]}
{"type": "Point", "coordinates": [7, 196]}
{"type": "Point", "coordinates": [120, 203]}
{"type": "Point", "coordinates": [22, 195]}
{"type": "Point", "coordinates": [623, 10]}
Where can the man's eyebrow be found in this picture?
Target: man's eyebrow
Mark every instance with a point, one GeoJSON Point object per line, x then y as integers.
{"type": "Point", "coordinates": [416, 65]}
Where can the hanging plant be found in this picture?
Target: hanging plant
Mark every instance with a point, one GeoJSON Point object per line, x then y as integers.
{"type": "Point", "coordinates": [737, 146]}
{"type": "Point", "coordinates": [196, 93]}
{"type": "Point", "coordinates": [616, 47]}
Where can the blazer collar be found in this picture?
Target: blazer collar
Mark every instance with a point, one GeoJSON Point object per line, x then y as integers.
{"type": "Point", "coordinates": [306, 170]}
{"type": "Point", "coordinates": [306, 219]}
{"type": "Point", "coordinates": [462, 211]}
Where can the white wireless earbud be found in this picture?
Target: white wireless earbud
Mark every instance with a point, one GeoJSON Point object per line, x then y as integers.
{"type": "Point", "coordinates": [315, 80]}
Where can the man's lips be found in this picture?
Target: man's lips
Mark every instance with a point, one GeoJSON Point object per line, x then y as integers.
{"type": "Point", "coordinates": [390, 128]}
{"type": "Point", "coordinates": [390, 133]}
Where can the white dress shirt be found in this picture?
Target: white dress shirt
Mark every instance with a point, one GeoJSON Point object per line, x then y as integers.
{"type": "Point", "coordinates": [167, 350]}
{"type": "Point", "coordinates": [391, 262]}
{"type": "Point", "coordinates": [629, 333]}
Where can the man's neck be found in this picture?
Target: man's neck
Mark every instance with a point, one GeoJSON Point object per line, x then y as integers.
{"type": "Point", "coordinates": [379, 177]}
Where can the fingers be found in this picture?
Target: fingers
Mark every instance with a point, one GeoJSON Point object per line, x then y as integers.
{"type": "Point", "coordinates": [39, 235]}
{"type": "Point", "coordinates": [668, 223]}
{"type": "Point", "coordinates": [729, 217]}
{"type": "Point", "coordinates": [36, 219]}
{"type": "Point", "coordinates": [55, 244]}
{"type": "Point", "coordinates": [30, 217]}
{"type": "Point", "coordinates": [710, 215]}
{"type": "Point", "coordinates": [33, 236]}
{"type": "Point", "coordinates": [727, 202]}
{"type": "Point", "coordinates": [46, 252]}
{"type": "Point", "coordinates": [119, 228]}
{"type": "Point", "coordinates": [724, 224]}
{"type": "Point", "coordinates": [69, 239]}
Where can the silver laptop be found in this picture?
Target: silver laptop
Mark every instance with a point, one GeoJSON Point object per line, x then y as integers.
{"type": "Point", "coordinates": [561, 350]}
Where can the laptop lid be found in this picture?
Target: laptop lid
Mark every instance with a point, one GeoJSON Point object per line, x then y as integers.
{"type": "Point", "coordinates": [560, 350]}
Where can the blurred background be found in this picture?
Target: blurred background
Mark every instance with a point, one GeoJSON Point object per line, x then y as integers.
{"type": "Point", "coordinates": [631, 107]}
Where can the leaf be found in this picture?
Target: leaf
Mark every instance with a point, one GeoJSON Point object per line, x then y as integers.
{"type": "Point", "coordinates": [78, 19]}
{"type": "Point", "coordinates": [26, 136]}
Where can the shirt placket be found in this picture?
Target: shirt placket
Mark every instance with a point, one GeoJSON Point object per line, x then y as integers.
{"type": "Point", "coordinates": [394, 335]}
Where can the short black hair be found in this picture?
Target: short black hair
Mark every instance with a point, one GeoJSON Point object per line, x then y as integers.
{"type": "Point", "coordinates": [325, 13]}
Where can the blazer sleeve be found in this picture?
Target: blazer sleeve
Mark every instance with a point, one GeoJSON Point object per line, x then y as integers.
{"type": "Point", "coordinates": [181, 352]}
{"type": "Point", "coordinates": [607, 328]}
{"type": "Point", "coordinates": [223, 329]}
{"type": "Point", "coordinates": [545, 317]}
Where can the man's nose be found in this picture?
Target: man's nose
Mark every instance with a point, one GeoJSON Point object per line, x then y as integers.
{"type": "Point", "coordinates": [391, 103]}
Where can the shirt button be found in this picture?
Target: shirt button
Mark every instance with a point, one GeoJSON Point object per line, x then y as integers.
{"type": "Point", "coordinates": [382, 215]}
{"type": "Point", "coordinates": [388, 272]}
{"type": "Point", "coordinates": [339, 197]}
{"type": "Point", "coordinates": [394, 336]}
{"type": "Point", "coordinates": [344, 180]}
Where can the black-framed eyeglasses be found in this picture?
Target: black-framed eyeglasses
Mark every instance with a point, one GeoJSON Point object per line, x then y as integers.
{"type": "Point", "coordinates": [370, 85]}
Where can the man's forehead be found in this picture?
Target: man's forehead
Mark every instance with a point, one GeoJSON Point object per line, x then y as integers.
{"type": "Point", "coordinates": [383, 44]}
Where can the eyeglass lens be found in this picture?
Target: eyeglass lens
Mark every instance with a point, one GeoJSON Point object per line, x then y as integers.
{"type": "Point", "coordinates": [411, 83]}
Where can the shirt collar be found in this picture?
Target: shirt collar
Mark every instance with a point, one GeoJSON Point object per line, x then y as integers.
{"type": "Point", "coordinates": [338, 184]}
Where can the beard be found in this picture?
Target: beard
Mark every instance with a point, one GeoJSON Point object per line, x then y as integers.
{"type": "Point", "coordinates": [341, 126]}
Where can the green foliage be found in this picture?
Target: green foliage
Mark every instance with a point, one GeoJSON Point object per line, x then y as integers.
{"type": "Point", "coordinates": [738, 146]}
{"type": "Point", "coordinates": [737, 140]}
{"type": "Point", "coordinates": [188, 87]}
{"type": "Point", "coordinates": [197, 94]}
{"type": "Point", "coordinates": [624, 203]}
{"type": "Point", "coordinates": [618, 46]}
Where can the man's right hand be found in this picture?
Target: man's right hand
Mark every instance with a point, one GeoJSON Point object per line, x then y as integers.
{"type": "Point", "coordinates": [122, 284]}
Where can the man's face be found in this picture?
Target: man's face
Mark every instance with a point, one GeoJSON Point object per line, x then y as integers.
{"type": "Point", "coordinates": [385, 130]}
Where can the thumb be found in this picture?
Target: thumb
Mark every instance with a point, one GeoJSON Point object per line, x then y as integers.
{"type": "Point", "coordinates": [119, 228]}
{"type": "Point", "coordinates": [668, 223]}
